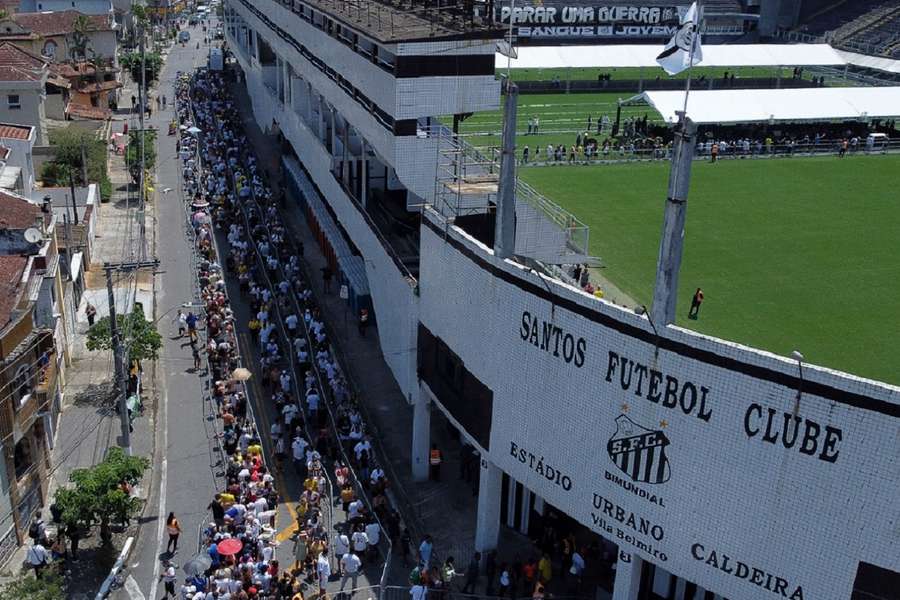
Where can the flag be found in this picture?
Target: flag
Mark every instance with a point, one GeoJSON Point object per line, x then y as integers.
{"type": "Point", "coordinates": [677, 55]}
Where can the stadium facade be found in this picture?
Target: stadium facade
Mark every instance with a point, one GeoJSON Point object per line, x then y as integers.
{"type": "Point", "coordinates": [716, 470]}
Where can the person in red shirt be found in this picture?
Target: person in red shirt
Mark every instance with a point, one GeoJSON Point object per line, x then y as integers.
{"type": "Point", "coordinates": [696, 301]}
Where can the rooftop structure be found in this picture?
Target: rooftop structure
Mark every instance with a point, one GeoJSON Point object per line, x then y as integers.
{"type": "Point", "coordinates": [405, 20]}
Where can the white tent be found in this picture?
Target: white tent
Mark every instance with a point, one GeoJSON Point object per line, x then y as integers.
{"type": "Point", "coordinates": [722, 55]}
{"type": "Point", "coordinates": [800, 104]}
{"type": "Point", "coordinates": [879, 63]}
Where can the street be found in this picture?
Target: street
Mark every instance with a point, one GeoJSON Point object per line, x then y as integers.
{"type": "Point", "coordinates": [185, 472]}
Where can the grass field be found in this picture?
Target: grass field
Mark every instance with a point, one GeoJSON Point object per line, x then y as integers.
{"type": "Point", "coordinates": [799, 253]}
{"type": "Point", "coordinates": [561, 116]}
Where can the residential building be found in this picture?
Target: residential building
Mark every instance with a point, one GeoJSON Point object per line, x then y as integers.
{"type": "Point", "coordinates": [23, 79]}
{"type": "Point", "coordinates": [88, 7]}
{"type": "Point", "coordinates": [31, 359]}
{"type": "Point", "coordinates": [18, 164]}
{"type": "Point", "coordinates": [53, 35]}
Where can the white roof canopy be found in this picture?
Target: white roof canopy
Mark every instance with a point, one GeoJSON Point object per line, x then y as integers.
{"type": "Point", "coordinates": [879, 63]}
{"type": "Point", "coordinates": [800, 104]}
{"type": "Point", "coordinates": [718, 55]}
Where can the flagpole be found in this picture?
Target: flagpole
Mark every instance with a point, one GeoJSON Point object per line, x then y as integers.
{"type": "Point", "coordinates": [671, 243]}
{"type": "Point", "coordinates": [694, 38]}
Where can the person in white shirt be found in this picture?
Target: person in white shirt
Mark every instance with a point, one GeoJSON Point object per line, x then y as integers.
{"type": "Point", "coordinates": [353, 510]}
{"type": "Point", "coordinates": [323, 570]}
{"type": "Point", "coordinates": [38, 558]}
{"type": "Point", "coordinates": [377, 476]}
{"type": "Point", "coordinates": [168, 576]}
{"type": "Point", "coordinates": [350, 567]}
{"type": "Point", "coordinates": [341, 544]}
{"type": "Point", "coordinates": [373, 534]}
{"type": "Point", "coordinates": [360, 541]}
{"type": "Point", "coordinates": [298, 449]}
{"type": "Point", "coordinates": [360, 447]}
{"type": "Point", "coordinates": [577, 568]}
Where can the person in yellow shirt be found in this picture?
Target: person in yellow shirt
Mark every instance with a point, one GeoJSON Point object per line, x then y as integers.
{"type": "Point", "coordinates": [545, 568]}
{"type": "Point", "coordinates": [254, 450]}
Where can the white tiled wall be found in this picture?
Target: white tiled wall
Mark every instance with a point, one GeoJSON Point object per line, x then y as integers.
{"type": "Point", "coordinates": [765, 507]}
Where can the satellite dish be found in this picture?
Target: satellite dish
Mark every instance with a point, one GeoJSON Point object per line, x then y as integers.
{"type": "Point", "coordinates": [33, 236]}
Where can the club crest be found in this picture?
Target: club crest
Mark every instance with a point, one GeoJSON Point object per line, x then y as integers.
{"type": "Point", "coordinates": [638, 452]}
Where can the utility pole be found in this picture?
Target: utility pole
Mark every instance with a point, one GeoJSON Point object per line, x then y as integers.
{"type": "Point", "coordinates": [84, 173]}
{"type": "Point", "coordinates": [119, 345]}
{"type": "Point", "coordinates": [72, 191]}
{"type": "Point", "coordinates": [671, 245]}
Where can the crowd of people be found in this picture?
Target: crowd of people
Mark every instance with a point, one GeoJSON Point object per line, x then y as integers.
{"type": "Point", "coordinates": [636, 138]}
{"type": "Point", "coordinates": [317, 423]}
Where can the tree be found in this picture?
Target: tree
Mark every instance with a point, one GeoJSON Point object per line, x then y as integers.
{"type": "Point", "coordinates": [131, 62]}
{"type": "Point", "coordinates": [79, 42]}
{"type": "Point", "coordinates": [49, 587]}
{"type": "Point", "coordinates": [99, 496]}
{"type": "Point", "coordinates": [140, 336]}
{"type": "Point", "coordinates": [67, 143]}
{"type": "Point", "coordinates": [133, 152]}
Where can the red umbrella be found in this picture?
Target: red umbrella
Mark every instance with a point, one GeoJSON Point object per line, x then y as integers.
{"type": "Point", "coordinates": [229, 547]}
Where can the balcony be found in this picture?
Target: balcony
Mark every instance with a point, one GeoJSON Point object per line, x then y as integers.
{"type": "Point", "coordinates": [46, 380]}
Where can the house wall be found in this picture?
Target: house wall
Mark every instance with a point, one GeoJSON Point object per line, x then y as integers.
{"type": "Point", "coordinates": [31, 112]}
{"type": "Point", "coordinates": [21, 156]}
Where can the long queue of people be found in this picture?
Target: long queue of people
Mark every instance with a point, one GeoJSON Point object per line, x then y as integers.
{"type": "Point", "coordinates": [317, 421]}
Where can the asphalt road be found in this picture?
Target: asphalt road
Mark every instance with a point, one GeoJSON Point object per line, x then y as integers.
{"type": "Point", "coordinates": [186, 465]}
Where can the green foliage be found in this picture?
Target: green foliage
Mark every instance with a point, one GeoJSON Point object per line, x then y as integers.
{"type": "Point", "coordinates": [68, 143]}
{"type": "Point", "coordinates": [79, 42]}
{"type": "Point", "coordinates": [791, 253]}
{"type": "Point", "coordinates": [139, 12]}
{"type": "Point", "coordinates": [131, 62]}
{"type": "Point", "coordinates": [133, 152]}
{"type": "Point", "coordinates": [141, 336]}
{"type": "Point", "coordinates": [97, 496]}
{"type": "Point", "coordinates": [49, 587]}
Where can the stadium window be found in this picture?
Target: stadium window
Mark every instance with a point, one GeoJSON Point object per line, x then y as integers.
{"type": "Point", "coordinates": [13, 102]}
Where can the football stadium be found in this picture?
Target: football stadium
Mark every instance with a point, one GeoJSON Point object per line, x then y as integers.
{"type": "Point", "coordinates": [637, 257]}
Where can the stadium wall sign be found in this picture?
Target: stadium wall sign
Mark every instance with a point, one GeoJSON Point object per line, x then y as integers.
{"type": "Point", "coordinates": [710, 459]}
{"type": "Point", "coordinates": [583, 21]}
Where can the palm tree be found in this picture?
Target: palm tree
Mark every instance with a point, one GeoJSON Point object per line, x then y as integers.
{"type": "Point", "coordinates": [79, 42]}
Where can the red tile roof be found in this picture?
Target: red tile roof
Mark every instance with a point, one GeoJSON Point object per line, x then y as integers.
{"type": "Point", "coordinates": [17, 213]}
{"type": "Point", "coordinates": [18, 65]}
{"type": "Point", "coordinates": [59, 22]}
{"type": "Point", "coordinates": [103, 86]}
{"type": "Point", "coordinates": [88, 112]}
{"type": "Point", "coordinates": [15, 132]}
{"type": "Point", "coordinates": [11, 269]}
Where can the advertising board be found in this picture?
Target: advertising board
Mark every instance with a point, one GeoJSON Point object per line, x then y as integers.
{"type": "Point", "coordinates": [723, 465]}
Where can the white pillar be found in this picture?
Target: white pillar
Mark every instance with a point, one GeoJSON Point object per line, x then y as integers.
{"type": "Point", "coordinates": [628, 577]}
{"type": "Point", "coordinates": [421, 436]}
{"type": "Point", "coordinates": [487, 521]}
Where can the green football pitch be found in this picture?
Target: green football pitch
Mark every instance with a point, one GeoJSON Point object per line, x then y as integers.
{"type": "Point", "coordinates": [800, 253]}
{"type": "Point", "coordinates": [561, 117]}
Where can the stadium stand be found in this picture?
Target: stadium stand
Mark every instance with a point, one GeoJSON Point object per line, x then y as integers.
{"type": "Point", "coordinates": [866, 26]}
